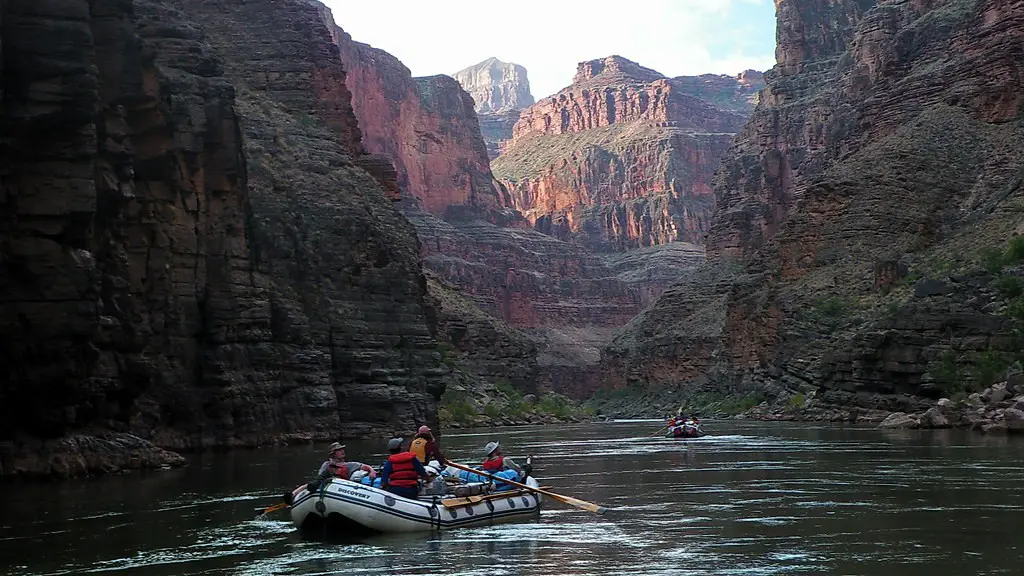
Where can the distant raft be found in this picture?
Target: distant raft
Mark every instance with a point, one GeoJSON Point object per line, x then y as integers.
{"type": "Point", "coordinates": [687, 430]}
{"type": "Point", "coordinates": [337, 505]}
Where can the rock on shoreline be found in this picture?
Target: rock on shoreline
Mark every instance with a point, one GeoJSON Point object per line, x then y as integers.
{"type": "Point", "coordinates": [83, 455]}
{"type": "Point", "coordinates": [999, 409]}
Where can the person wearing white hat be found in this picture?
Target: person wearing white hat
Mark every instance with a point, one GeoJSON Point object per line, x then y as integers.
{"type": "Point", "coordinates": [337, 466]}
{"type": "Point", "coordinates": [495, 461]}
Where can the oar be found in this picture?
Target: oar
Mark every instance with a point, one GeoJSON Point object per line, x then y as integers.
{"type": "Point", "coordinates": [563, 499]}
{"type": "Point", "coordinates": [659, 431]}
{"type": "Point", "coordinates": [274, 508]}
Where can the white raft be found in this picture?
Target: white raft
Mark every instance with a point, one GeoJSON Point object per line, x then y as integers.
{"type": "Point", "coordinates": [348, 506]}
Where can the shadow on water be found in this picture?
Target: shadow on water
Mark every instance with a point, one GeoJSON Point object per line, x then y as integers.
{"type": "Point", "coordinates": [752, 498]}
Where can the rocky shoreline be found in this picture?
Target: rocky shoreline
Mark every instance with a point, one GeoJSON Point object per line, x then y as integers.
{"type": "Point", "coordinates": [998, 409]}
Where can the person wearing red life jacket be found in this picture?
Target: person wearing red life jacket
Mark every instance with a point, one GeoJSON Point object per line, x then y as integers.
{"type": "Point", "coordinates": [401, 471]}
{"type": "Point", "coordinates": [495, 461]}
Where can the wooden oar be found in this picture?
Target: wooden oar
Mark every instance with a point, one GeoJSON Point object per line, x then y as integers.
{"type": "Point", "coordinates": [659, 431]}
{"type": "Point", "coordinates": [582, 504]}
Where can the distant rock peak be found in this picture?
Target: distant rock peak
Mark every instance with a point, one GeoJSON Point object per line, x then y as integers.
{"type": "Point", "coordinates": [614, 68]}
{"type": "Point", "coordinates": [496, 87]}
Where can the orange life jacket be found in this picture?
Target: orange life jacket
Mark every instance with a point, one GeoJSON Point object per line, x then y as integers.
{"type": "Point", "coordinates": [419, 448]}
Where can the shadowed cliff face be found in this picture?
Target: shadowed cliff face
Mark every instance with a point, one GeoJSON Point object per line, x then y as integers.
{"type": "Point", "coordinates": [173, 226]}
{"type": "Point", "coordinates": [854, 214]}
{"type": "Point", "coordinates": [624, 157]}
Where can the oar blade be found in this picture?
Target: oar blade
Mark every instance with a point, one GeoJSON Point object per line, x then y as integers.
{"type": "Point", "coordinates": [590, 506]}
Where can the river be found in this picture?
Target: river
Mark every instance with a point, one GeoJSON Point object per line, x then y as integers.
{"type": "Point", "coordinates": [750, 499]}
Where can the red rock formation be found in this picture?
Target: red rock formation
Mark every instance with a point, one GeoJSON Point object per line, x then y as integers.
{"type": "Point", "coordinates": [884, 133]}
{"type": "Point", "coordinates": [427, 126]}
{"type": "Point", "coordinates": [623, 158]}
{"type": "Point", "coordinates": [567, 299]}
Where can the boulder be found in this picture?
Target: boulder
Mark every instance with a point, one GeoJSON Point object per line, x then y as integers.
{"type": "Point", "coordinates": [900, 420]}
{"type": "Point", "coordinates": [997, 393]}
{"type": "Point", "coordinates": [1014, 419]}
{"type": "Point", "coordinates": [934, 418]}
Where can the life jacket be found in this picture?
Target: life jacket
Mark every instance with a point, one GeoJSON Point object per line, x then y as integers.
{"type": "Point", "coordinates": [339, 469]}
{"type": "Point", "coordinates": [494, 464]}
{"type": "Point", "coordinates": [419, 448]}
{"type": "Point", "coordinates": [403, 474]}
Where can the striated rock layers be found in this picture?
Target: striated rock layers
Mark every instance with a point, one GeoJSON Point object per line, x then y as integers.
{"type": "Point", "coordinates": [496, 86]}
{"type": "Point", "coordinates": [192, 255]}
{"type": "Point", "coordinates": [566, 300]}
{"type": "Point", "coordinates": [500, 90]}
{"type": "Point", "coordinates": [427, 126]}
{"type": "Point", "coordinates": [623, 158]}
{"type": "Point", "coordinates": [563, 299]}
{"type": "Point", "coordinates": [861, 252]}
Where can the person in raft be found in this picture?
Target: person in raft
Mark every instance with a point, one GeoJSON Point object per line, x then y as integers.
{"type": "Point", "coordinates": [425, 447]}
{"type": "Point", "coordinates": [335, 465]}
{"type": "Point", "coordinates": [401, 471]}
{"type": "Point", "coordinates": [496, 461]}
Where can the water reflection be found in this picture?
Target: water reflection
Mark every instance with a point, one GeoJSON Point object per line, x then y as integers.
{"type": "Point", "coordinates": [754, 498]}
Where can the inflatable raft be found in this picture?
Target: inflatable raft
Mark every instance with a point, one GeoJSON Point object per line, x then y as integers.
{"type": "Point", "coordinates": [685, 431]}
{"type": "Point", "coordinates": [337, 505]}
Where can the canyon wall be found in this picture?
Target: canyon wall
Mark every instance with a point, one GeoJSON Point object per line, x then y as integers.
{"type": "Point", "coordinates": [862, 249]}
{"type": "Point", "coordinates": [623, 158]}
{"type": "Point", "coordinates": [500, 91]}
{"type": "Point", "coordinates": [496, 86]}
{"type": "Point", "coordinates": [427, 126]}
{"type": "Point", "coordinates": [194, 251]}
{"type": "Point", "coordinates": [564, 300]}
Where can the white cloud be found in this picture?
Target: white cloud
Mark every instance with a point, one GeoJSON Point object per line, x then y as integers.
{"type": "Point", "coordinates": [549, 38]}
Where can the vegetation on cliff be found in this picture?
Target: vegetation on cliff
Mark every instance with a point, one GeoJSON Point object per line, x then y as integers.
{"type": "Point", "coordinates": [853, 218]}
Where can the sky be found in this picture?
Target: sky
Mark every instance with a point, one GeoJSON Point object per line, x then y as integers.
{"type": "Point", "coordinates": [549, 37]}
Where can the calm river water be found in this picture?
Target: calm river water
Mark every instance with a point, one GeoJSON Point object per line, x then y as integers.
{"type": "Point", "coordinates": [752, 499]}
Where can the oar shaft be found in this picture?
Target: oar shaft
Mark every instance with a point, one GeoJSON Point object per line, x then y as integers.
{"type": "Point", "coordinates": [566, 499]}
{"type": "Point", "coordinates": [660, 429]}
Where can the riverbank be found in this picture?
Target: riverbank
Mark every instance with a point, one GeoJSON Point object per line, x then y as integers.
{"type": "Point", "coordinates": [504, 405]}
{"type": "Point", "coordinates": [998, 409]}
{"type": "Point", "coordinates": [643, 402]}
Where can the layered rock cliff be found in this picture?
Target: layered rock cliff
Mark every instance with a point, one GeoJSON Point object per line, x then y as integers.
{"type": "Point", "coordinates": [427, 126]}
{"type": "Point", "coordinates": [496, 86]}
{"type": "Point", "coordinates": [623, 158]}
{"type": "Point", "coordinates": [192, 254]}
{"type": "Point", "coordinates": [563, 299]}
{"type": "Point", "coordinates": [500, 90]}
{"type": "Point", "coordinates": [567, 300]}
{"type": "Point", "coordinates": [861, 249]}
